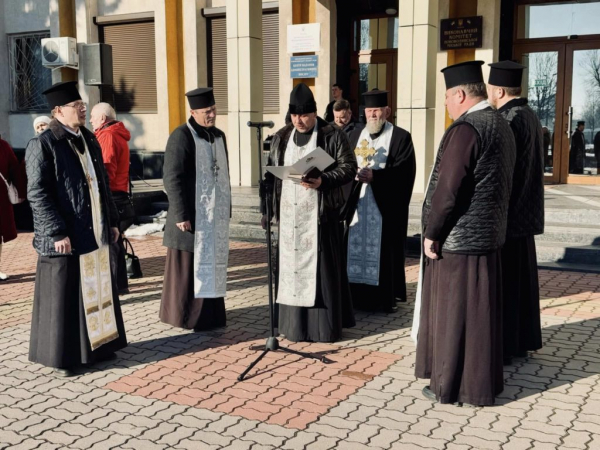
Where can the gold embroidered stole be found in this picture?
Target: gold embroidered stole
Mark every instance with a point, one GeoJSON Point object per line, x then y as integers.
{"type": "Point", "coordinates": [95, 274]}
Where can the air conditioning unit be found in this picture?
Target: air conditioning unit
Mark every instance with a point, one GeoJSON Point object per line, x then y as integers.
{"type": "Point", "coordinates": [60, 52]}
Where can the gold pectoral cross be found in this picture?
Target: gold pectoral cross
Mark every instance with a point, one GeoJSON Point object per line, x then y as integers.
{"type": "Point", "coordinates": [365, 152]}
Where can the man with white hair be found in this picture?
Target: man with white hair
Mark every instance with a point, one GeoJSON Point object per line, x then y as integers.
{"type": "Point", "coordinates": [376, 213]}
{"type": "Point", "coordinates": [113, 137]}
{"type": "Point", "coordinates": [40, 124]}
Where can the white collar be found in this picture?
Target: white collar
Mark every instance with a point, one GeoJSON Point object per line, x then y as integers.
{"type": "Point", "coordinates": [479, 106]}
{"type": "Point", "coordinates": [78, 134]}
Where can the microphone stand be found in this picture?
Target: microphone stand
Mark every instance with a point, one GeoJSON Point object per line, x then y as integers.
{"type": "Point", "coordinates": [272, 343]}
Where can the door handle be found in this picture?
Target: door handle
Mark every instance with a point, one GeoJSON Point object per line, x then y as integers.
{"type": "Point", "coordinates": [570, 114]}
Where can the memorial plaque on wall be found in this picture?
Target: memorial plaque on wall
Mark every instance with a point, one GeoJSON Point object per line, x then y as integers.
{"type": "Point", "coordinates": [465, 32]}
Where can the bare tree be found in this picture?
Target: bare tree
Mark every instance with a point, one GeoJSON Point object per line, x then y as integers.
{"type": "Point", "coordinates": [591, 65]}
{"type": "Point", "coordinates": [542, 85]}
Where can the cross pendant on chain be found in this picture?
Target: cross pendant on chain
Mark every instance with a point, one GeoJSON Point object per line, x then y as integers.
{"type": "Point", "coordinates": [215, 169]}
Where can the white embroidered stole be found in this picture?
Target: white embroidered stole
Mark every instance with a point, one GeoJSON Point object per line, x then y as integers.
{"type": "Point", "coordinates": [213, 206]}
{"type": "Point", "coordinates": [96, 284]}
{"type": "Point", "coordinates": [364, 239]}
{"type": "Point", "coordinates": [298, 234]}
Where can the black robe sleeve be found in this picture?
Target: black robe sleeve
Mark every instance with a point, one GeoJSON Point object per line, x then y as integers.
{"type": "Point", "coordinates": [461, 150]}
{"type": "Point", "coordinates": [393, 185]}
{"type": "Point", "coordinates": [180, 147]}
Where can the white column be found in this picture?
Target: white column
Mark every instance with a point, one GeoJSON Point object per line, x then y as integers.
{"type": "Point", "coordinates": [325, 15]}
{"type": "Point", "coordinates": [194, 45]}
{"type": "Point", "coordinates": [490, 10]}
{"type": "Point", "coordinates": [417, 48]}
{"type": "Point", "coordinates": [286, 84]}
{"type": "Point", "coordinates": [86, 33]}
{"type": "Point", "coordinates": [245, 87]}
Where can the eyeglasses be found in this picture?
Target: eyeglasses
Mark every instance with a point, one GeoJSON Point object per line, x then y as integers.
{"type": "Point", "coordinates": [80, 106]}
{"type": "Point", "coordinates": [209, 111]}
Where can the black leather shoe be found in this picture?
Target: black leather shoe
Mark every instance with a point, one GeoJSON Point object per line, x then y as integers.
{"type": "Point", "coordinates": [522, 354]}
{"type": "Point", "coordinates": [429, 394]}
{"type": "Point", "coordinates": [65, 373]}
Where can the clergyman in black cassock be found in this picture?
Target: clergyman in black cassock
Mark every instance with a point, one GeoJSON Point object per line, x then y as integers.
{"type": "Point", "coordinates": [310, 261]}
{"type": "Point", "coordinates": [521, 292]}
{"type": "Point", "coordinates": [376, 213]}
{"type": "Point", "coordinates": [577, 150]}
{"type": "Point", "coordinates": [76, 315]}
{"type": "Point", "coordinates": [458, 311]}
{"type": "Point", "coordinates": [196, 179]}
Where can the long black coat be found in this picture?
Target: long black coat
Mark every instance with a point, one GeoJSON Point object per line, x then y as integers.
{"type": "Point", "coordinates": [59, 195]}
{"type": "Point", "coordinates": [179, 179]}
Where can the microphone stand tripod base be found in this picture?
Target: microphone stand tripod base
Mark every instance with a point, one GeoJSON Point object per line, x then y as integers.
{"type": "Point", "coordinates": [272, 343]}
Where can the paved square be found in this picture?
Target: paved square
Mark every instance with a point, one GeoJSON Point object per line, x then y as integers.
{"type": "Point", "coordinates": [172, 388]}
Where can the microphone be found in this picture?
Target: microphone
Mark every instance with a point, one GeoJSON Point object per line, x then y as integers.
{"type": "Point", "coordinates": [268, 124]}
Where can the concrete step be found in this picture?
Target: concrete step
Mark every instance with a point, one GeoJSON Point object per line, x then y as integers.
{"type": "Point", "coordinates": [246, 214]}
{"type": "Point", "coordinates": [572, 233]}
{"type": "Point", "coordinates": [245, 200]}
{"type": "Point", "coordinates": [246, 231]}
{"type": "Point", "coordinates": [585, 216]}
{"type": "Point", "coordinates": [572, 253]}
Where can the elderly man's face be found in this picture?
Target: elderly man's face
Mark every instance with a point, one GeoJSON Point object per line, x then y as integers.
{"type": "Point", "coordinates": [41, 127]}
{"type": "Point", "coordinates": [97, 118]}
{"type": "Point", "coordinates": [304, 122]}
{"type": "Point", "coordinates": [341, 118]}
{"type": "Point", "coordinates": [453, 101]}
{"type": "Point", "coordinates": [376, 118]}
{"type": "Point", "coordinates": [205, 117]}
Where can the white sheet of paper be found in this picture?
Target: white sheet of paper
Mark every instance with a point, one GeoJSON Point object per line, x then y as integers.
{"type": "Point", "coordinates": [318, 158]}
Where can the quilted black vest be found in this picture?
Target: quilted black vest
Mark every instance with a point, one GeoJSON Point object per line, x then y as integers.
{"type": "Point", "coordinates": [478, 223]}
{"type": "Point", "coordinates": [526, 207]}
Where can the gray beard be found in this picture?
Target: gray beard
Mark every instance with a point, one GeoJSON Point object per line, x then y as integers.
{"type": "Point", "coordinates": [375, 127]}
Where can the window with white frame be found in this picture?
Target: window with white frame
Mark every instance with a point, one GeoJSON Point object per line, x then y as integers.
{"type": "Point", "coordinates": [28, 78]}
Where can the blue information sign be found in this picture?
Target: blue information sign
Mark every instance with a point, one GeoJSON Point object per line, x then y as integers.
{"type": "Point", "coordinates": [304, 66]}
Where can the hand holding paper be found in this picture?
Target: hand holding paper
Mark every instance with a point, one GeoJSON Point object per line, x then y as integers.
{"type": "Point", "coordinates": [312, 164]}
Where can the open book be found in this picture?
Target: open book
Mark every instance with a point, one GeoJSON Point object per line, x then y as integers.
{"type": "Point", "coordinates": [309, 166]}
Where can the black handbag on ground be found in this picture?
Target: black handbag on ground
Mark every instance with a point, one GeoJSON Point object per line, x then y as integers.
{"type": "Point", "coordinates": [132, 262]}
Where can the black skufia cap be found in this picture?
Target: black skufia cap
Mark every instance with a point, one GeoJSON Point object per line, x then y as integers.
{"type": "Point", "coordinates": [375, 98]}
{"type": "Point", "coordinates": [200, 98]}
{"type": "Point", "coordinates": [463, 73]}
{"type": "Point", "coordinates": [506, 74]}
{"type": "Point", "coordinates": [302, 100]}
{"type": "Point", "coordinates": [60, 94]}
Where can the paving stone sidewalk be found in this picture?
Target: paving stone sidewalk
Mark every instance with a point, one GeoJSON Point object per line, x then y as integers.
{"type": "Point", "coordinates": [172, 388]}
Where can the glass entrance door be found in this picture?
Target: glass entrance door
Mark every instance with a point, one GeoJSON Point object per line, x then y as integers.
{"type": "Point", "coordinates": [562, 83]}
{"type": "Point", "coordinates": [582, 94]}
{"type": "Point", "coordinates": [542, 85]}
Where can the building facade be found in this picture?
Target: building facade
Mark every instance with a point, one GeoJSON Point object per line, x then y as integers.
{"type": "Point", "coordinates": [162, 48]}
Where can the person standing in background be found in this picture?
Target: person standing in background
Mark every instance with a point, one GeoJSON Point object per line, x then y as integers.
{"type": "Point", "coordinates": [11, 172]}
{"type": "Point", "coordinates": [113, 138]}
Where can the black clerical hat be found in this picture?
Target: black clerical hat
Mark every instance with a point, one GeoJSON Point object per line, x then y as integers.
{"type": "Point", "coordinates": [375, 98]}
{"type": "Point", "coordinates": [60, 94]}
{"type": "Point", "coordinates": [506, 74]}
{"type": "Point", "coordinates": [302, 100]}
{"type": "Point", "coordinates": [200, 98]}
{"type": "Point", "coordinates": [463, 73]}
